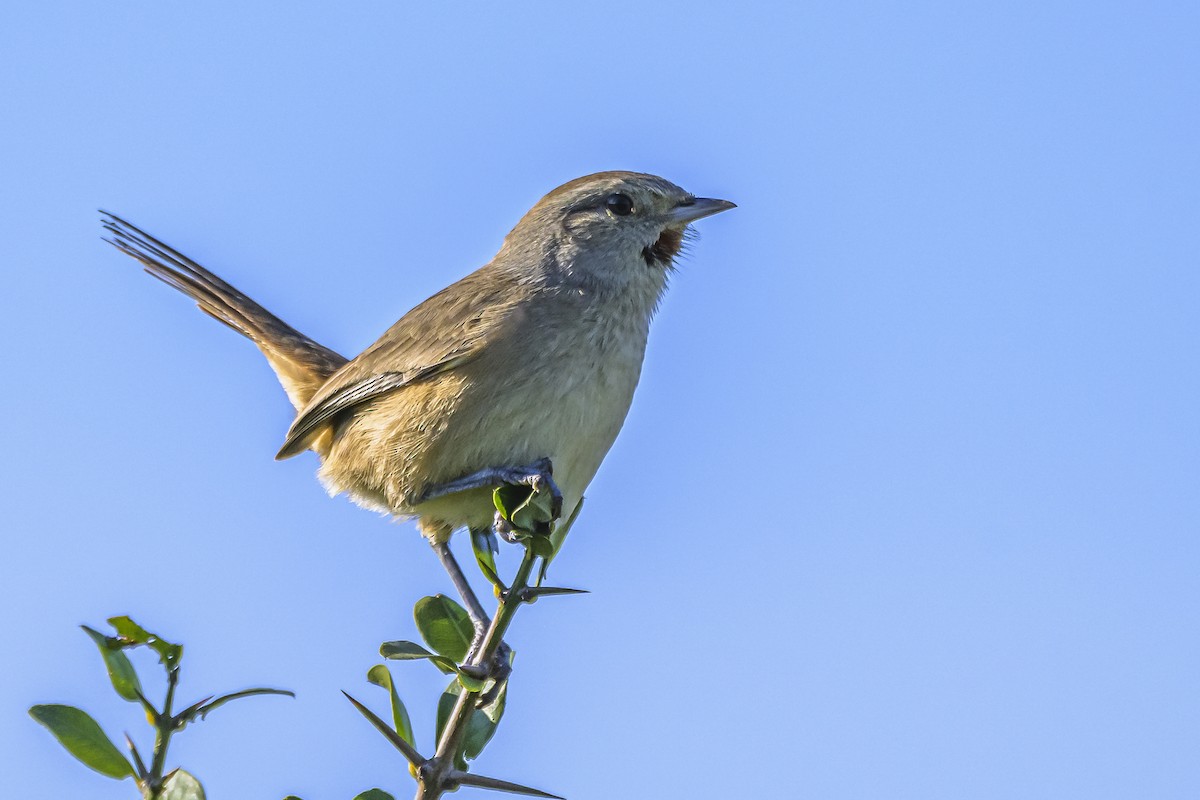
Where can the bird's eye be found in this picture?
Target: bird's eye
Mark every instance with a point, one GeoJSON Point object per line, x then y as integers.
{"type": "Point", "coordinates": [619, 204]}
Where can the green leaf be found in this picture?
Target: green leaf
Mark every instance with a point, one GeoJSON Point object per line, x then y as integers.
{"type": "Point", "coordinates": [507, 498]}
{"type": "Point", "coordinates": [528, 511]}
{"type": "Point", "coordinates": [204, 707]}
{"type": "Point", "coordinates": [120, 671]}
{"type": "Point", "coordinates": [445, 626]}
{"type": "Point", "coordinates": [380, 675]}
{"type": "Point", "coordinates": [541, 546]}
{"type": "Point", "coordinates": [445, 707]}
{"type": "Point", "coordinates": [404, 650]}
{"type": "Point", "coordinates": [169, 654]}
{"type": "Point", "coordinates": [372, 794]}
{"type": "Point", "coordinates": [82, 737]}
{"type": "Point", "coordinates": [128, 629]}
{"type": "Point", "coordinates": [493, 712]}
{"type": "Point", "coordinates": [483, 541]}
{"type": "Point", "coordinates": [181, 785]}
{"type": "Point", "coordinates": [481, 725]}
{"type": "Point", "coordinates": [480, 729]}
{"type": "Point", "coordinates": [410, 651]}
{"type": "Point", "coordinates": [470, 682]}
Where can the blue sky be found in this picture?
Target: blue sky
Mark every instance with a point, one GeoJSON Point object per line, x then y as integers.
{"type": "Point", "coordinates": [906, 506]}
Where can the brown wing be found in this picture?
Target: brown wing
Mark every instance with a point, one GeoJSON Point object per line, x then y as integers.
{"type": "Point", "coordinates": [442, 333]}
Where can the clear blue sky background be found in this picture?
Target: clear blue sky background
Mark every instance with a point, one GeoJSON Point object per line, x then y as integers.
{"type": "Point", "coordinates": [907, 505]}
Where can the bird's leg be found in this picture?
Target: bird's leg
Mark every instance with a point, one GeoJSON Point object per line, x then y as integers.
{"type": "Point", "coordinates": [538, 476]}
{"type": "Point", "coordinates": [475, 610]}
{"type": "Point", "coordinates": [479, 618]}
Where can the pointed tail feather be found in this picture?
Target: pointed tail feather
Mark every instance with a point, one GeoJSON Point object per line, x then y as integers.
{"type": "Point", "coordinates": [302, 364]}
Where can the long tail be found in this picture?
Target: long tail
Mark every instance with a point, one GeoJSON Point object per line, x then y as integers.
{"type": "Point", "coordinates": [301, 364]}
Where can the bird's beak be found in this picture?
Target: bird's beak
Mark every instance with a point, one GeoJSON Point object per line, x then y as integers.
{"type": "Point", "coordinates": [697, 208]}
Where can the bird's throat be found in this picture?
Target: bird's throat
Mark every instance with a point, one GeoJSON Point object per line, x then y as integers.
{"type": "Point", "coordinates": [664, 249]}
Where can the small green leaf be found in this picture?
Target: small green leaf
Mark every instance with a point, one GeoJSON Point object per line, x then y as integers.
{"type": "Point", "coordinates": [541, 546]}
{"type": "Point", "coordinates": [120, 671]}
{"type": "Point", "coordinates": [372, 794]}
{"type": "Point", "coordinates": [538, 512]}
{"type": "Point", "coordinates": [483, 541]}
{"type": "Point", "coordinates": [470, 682]}
{"type": "Point", "coordinates": [493, 712]}
{"type": "Point", "coordinates": [445, 626]}
{"type": "Point", "coordinates": [480, 730]}
{"type": "Point", "coordinates": [82, 737]}
{"type": "Point", "coordinates": [410, 651]}
{"type": "Point", "coordinates": [528, 511]}
{"type": "Point", "coordinates": [181, 785]}
{"type": "Point", "coordinates": [403, 650]}
{"type": "Point", "coordinates": [507, 498]}
{"type": "Point", "coordinates": [445, 708]}
{"type": "Point", "coordinates": [481, 725]}
{"type": "Point", "coordinates": [380, 675]}
{"type": "Point", "coordinates": [128, 629]}
{"type": "Point", "coordinates": [169, 654]}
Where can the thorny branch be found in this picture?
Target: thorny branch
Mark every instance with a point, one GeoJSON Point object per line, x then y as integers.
{"type": "Point", "coordinates": [437, 775]}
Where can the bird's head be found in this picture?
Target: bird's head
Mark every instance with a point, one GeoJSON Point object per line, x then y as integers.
{"type": "Point", "coordinates": [612, 227]}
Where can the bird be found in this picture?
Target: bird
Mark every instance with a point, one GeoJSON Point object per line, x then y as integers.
{"type": "Point", "coordinates": [522, 372]}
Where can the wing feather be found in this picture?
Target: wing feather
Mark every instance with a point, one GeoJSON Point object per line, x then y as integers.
{"type": "Point", "coordinates": [310, 423]}
{"type": "Point", "coordinates": [441, 334]}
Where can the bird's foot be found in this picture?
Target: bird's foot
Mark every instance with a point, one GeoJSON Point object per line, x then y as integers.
{"type": "Point", "coordinates": [538, 510]}
{"type": "Point", "coordinates": [538, 476]}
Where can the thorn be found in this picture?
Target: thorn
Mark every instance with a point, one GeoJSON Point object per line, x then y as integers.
{"type": "Point", "coordinates": [406, 749]}
{"type": "Point", "coordinates": [531, 593]}
{"type": "Point", "coordinates": [138, 764]}
{"type": "Point", "coordinates": [482, 782]}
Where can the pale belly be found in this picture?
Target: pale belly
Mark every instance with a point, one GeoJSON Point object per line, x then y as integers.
{"type": "Point", "coordinates": [569, 411]}
{"type": "Point", "coordinates": [574, 426]}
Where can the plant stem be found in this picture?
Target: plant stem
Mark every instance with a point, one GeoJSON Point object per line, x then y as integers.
{"type": "Point", "coordinates": [432, 779]}
{"type": "Point", "coordinates": [164, 723]}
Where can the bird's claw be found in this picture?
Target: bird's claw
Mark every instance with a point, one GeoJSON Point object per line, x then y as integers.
{"type": "Point", "coordinates": [543, 481]}
{"type": "Point", "coordinates": [539, 477]}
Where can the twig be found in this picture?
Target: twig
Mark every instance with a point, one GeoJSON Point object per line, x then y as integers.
{"type": "Point", "coordinates": [164, 725]}
{"type": "Point", "coordinates": [438, 775]}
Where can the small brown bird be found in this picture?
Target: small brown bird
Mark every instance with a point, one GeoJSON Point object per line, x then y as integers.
{"type": "Point", "coordinates": [527, 364]}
